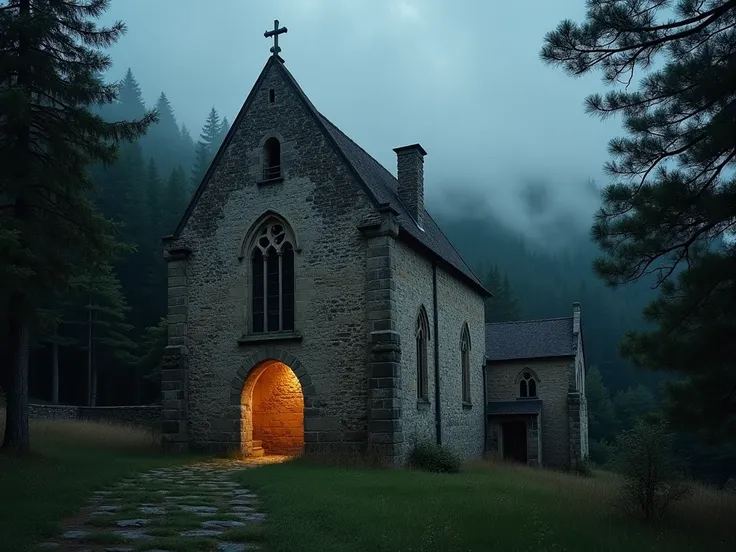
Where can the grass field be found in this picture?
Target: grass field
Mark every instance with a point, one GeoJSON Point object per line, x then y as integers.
{"type": "Point", "coordinates": [486, 508]}
{"type": "Point", "coordinates": [69, 460]}
{"type": "Point", "coordinates": [312, 507]}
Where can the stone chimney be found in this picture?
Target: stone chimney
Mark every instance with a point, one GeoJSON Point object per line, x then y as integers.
{"type": "Point", "coordinates": [576, 320]}
{"type": "Point", "coordinates": [410, 161]}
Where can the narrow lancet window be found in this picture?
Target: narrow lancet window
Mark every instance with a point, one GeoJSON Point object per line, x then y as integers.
{"type": "Point", "coordinates": [422, 337]}
{"type": "Point", "coordinates": [272, 159]}
{"type": "Point", "coordinates": [272, 279]}
{"type": "Point", "coordinates": [465, 363]}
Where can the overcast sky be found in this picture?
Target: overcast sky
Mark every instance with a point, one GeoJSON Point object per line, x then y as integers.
{"type": "Point", "coordinates": [461, 77]}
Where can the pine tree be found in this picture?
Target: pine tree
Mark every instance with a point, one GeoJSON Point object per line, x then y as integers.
{"type": "Point", "coordinates": [211, 130]}
{"type": "Point", "coordinates": [50, 67]}
{"type": "Point", "coordinates": [50, 332]}
{"type": "Point", "coordinates": [154, 343]}
{"type": "Point", "coordinates": [602, 422]}
{"type": "Point", "coordinates": [204, 152]}
{"type": "Point", "coordinates": [163, 140]}
{"type": "Point", "coordinates": [503, 306]}
{"type": "Point", "coordinates": [176, 199]}
{"type": "Point", "coordinates": [154, 189]}
{"type": "Point", "coordinates": [130, 99]}
{"type": "Point", "coordinates": [186, 158]}
{"type": "Point", "coordinates": [152, 277]}
{"type": "Point", "coordinates": [101, 314]}
{"type": "Point", "coordinates": [224, 129]}
{"type": "Point", "coordinates": [201, 164]}
{"type": "Point", "coordinates": [672, 199]}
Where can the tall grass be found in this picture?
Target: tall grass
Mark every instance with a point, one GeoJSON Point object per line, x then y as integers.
{"type": "Point", "coordinates": [706, 509]}
{"type": "Point", "coordinates": [98, 435]}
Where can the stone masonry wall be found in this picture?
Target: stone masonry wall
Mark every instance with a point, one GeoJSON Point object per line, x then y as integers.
{"type": "Point", "coordinates": [52, 412]}
{"type": "Point", "coordinates": [141, 416]}
{"type": "Point", "coordinates": [321, 202]}
{"type": "Point", "coordinates": [552, 389]}
{"type": "Point", "coordinates": [462, 426]}
{"type": "Point", "coordinates": [413, 289]}
{"type": "Point", "coordinates": [580, 364]}
{"type": "Point", "coordinates": [278, 411]}
{"type": "Point", "coordinates": [385, 414]}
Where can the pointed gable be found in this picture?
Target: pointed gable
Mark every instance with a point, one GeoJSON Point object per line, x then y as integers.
{"type": "Point", "coordinates": [379, 184]}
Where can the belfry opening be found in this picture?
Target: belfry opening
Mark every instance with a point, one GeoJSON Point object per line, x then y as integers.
{"type": "Point", "coordinates": [272, 411]}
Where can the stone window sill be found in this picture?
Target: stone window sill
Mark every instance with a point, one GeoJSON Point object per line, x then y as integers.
{"type": "Point", "coordinates": [467, 405]}
{"type": "Point", "coordinates": [269, 181]}
{"type": "Point", "coordinates": [423, 404]}
{"type": "Point", "coordinates": [251, 339]}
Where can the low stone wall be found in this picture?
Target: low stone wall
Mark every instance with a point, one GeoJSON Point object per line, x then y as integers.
{"type": "Point", "coordinates": [52, 412]}
{"type": "Point", "coordinates": [142, 416]}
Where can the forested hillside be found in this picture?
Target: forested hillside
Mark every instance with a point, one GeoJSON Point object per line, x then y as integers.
{"type": "Point", "coordinates": [547, 281]}
{"type": "Point", "coordinates": [105, 332]}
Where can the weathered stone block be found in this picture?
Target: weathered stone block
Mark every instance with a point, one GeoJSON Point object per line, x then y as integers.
{"type": "Point", "coordinates": [173, 426]}
{"type": "Point", "coordinates": [172, 375]}
{"type": "Point", "coordinates": [329, 436]}
{"type": "Point", "coordinates": [385, 413]}
{"type": "Point", "coordinates": [385, 426]}
{"type": "Point", "coordinates": [385, 369]}
{"type": "Point", "coordinates": [355, 436]}
{"type": "Point", "coordinates": [321, 424]}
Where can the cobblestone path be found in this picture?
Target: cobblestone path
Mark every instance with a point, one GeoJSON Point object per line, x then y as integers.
{"type": "Point", "coordinates": [190, 508]}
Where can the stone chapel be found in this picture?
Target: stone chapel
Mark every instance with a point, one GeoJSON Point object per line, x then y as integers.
{"type": "Point", "coordinates": [315, 305]}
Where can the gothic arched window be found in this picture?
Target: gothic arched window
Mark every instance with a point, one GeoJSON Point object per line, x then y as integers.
{"type": "Point", "coordinates": [271, 159]}
{"type": "Point", "coordinates": [465, 362]}
{"type": "Point", "coordinates": [422, 337]}
{"type": "Point", "coordinates": [272, 279]}
{"type": "Point", "coordinates": [527, 386]}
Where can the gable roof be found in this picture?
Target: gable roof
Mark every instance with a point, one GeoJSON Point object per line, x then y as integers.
{"type": "Point", "coordinates": [380, 185]}
{"type": "Point", "coordinates": [552, 337]}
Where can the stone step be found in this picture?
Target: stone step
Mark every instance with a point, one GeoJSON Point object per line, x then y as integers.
{"type": "Point", "coordinates": [257, 444]}
{"type": "Point", "coordinates": [258, 451]}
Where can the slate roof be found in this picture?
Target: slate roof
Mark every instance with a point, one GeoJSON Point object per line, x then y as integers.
{"type": "Point", "coordinates": [525, 406]}
{"type": "Point", "coordinates": [378, 182]}
{"type": "Point", "coordinates": [551, 337]}
{"type": "Point", "coordinates": [384, 185]}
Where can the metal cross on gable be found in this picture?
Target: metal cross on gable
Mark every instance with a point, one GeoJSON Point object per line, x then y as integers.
{"type": "Point", "coordinates": [275, 34]}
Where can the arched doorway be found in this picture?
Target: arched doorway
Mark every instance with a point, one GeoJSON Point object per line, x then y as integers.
{"type": "Point", "coordinates": [272, 411]}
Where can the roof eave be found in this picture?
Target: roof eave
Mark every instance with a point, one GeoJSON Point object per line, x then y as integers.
{"type": "Point", "coordinates": [546, 357]}
{"type": "Point", "coordinates": [426, 251]}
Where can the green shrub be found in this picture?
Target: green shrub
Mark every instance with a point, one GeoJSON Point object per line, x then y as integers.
{"type": "Point", "coordinates": [431, 457]}
{"type": "Point", "coordinates": [600, 452]}
{"type": "Point", "coordinates": [652, 478]}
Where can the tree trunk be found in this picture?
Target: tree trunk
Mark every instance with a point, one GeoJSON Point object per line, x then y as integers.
{"type": "Point", "coordinates": [93, 402]}
{"type": "Point", "coordinates": [137, 398]}
{"type": "Point", "coordinates": [17, 432]}
{"type": "Point", "coordinates": [94, 359]}
{"type": "Point", "coordinates": [89, 353]}
{"type": "Point", "coordinates": [54, 373]}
